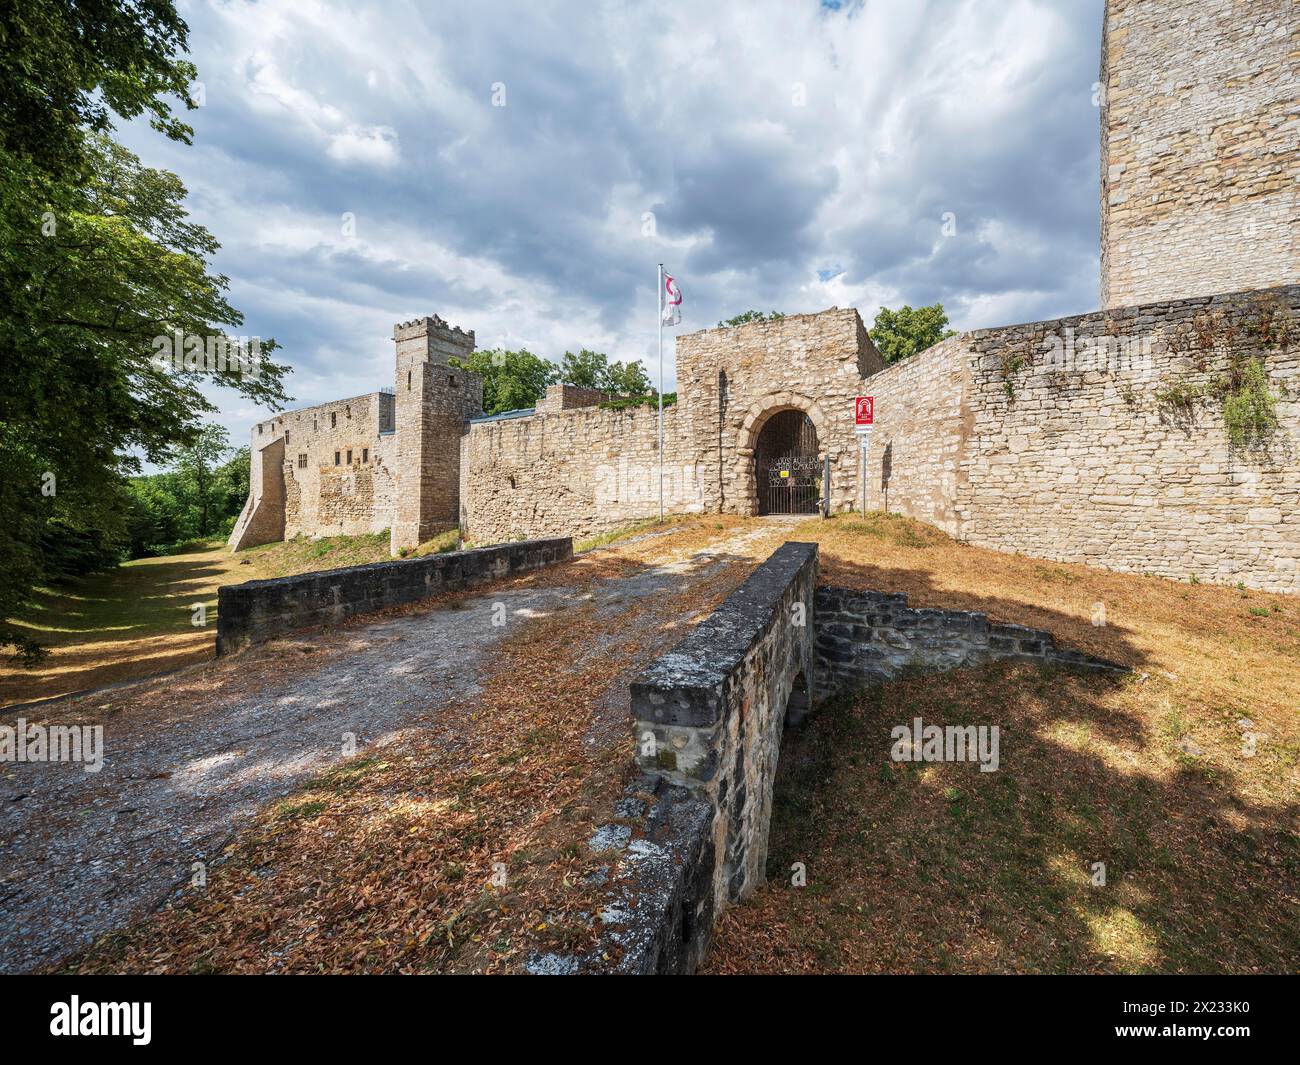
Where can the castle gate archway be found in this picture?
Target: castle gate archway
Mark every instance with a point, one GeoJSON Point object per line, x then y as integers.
{"type": "Point", "coordinates": [787, 469]}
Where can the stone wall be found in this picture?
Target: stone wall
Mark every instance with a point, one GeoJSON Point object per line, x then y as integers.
{"type": "Point", "coordinates": [658, 912]}
{"type": "Point", "coordinates": [709, 715]}
{"type": "Point", "coordinates": [866, 638]}
{"type": "Point", "coordinates": [337, 466]}
{"type": "Point", "coordinates": [582, 471]}
{"type": "Point", "coordinates": [1060, 440]}
{"type": "Point", "coordinates": [569, 397]}
{"type": "Point", "coordinates": [730, 381]}
{"type": "Point", "coordinates": [262, 519]}
{"type": "Point", "coordinates": [923, 418]}
{"type": "Point", "coordinates": [1200, 148]}
{"type": "Point", "coordinates": [576, 472]}
{"type": "Point", "coordinates": [254, 611]}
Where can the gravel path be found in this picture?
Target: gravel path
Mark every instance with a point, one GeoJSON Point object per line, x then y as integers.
{"type": "Point", "coordinates": [83, 853]}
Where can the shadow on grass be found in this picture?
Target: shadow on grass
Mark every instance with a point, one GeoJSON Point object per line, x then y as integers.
{"type": "Point", "coordinates": [122, 604]}
{"type": "Point", "coordinates": [938, 867]}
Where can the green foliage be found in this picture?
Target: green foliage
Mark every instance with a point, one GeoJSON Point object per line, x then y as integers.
{"type": "Point", "coordinates": [97, 259]}
{"type": "Point", "coordinates": [586, 369]}
{"type": "Point", "coordinates": [1242, 390]}
{"type": "Point", "coordinates": [1249, 407]}
{"type": "Point", "coordinates": [512, 380]}
{"type": "Point", "coordinates": [68, 65]}
{"type": "Point", "coordinates": [197, 499]}
{"type": "Point", "coordinates": [628, 380]}
{"type": "Point", "coordinates": [1011, 360]}
{"type": "Point", "coordinates": [516, 380]}
{"type": "Point", "coordinates": [752, 316]}
{"type": "Point", "coordinates": [902, 333]}
{"type": "Point", "coordinates": [592, 369]}
{"type": "Point", "coordinates": [649, 400]}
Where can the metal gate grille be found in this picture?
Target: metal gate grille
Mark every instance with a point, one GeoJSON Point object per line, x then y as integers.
{"type": "Point", "coordinates": [787, 473]}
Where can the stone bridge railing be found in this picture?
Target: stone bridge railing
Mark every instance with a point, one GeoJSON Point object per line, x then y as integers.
{"type": "Point", "coordinates": [689, 836]}
{"type": "Point", "coordinates": [709, 716]}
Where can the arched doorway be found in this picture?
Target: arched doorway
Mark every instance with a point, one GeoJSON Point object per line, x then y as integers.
{"type": "Point", "coordinates": [787, 473]}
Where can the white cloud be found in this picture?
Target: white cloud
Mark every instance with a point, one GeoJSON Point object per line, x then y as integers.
{"type": "Point", "coordinates": [776, 141]}
{"type": "Point", "coordinates": [373, 146]}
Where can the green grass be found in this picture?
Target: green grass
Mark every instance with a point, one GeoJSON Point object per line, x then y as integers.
{"type": "Point", "coordinates": [136, 619]}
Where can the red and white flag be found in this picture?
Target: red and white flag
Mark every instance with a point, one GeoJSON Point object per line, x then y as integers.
{"type": "Point", "coordinates": [670, 302]}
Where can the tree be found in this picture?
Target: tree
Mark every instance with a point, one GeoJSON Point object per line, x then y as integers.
{"type": "Point", "coordinates": [195, 464]}
{"type": "Point", "coordinates": [98, 261]}
{"type": "Point", "coordinates": [232, 487]}
{"type": "Point", "coordinates": [67, 65]}
{"type": "Point", "coordinates": [628, 380]}
{"type": "Point", "coordinates": [156, 520]}
{"type": "Point", "coordinates": [902, 333]}
{"type": "Point", "coordinates": [592, 369]}
{"type": "Point", "coordinates": [753, 316]}
{"type": "Point", "coordinates": [587, 369]}
{"type": "Point", "coordinates": [512, 380]}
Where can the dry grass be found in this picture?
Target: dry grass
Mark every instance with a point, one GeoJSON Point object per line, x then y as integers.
{"type": "Point", "coordinates": [385, 865]}
{"type": "Point", "coordinates": [940, 868]}
{"type": "Point", "coordinates": [136, 620]}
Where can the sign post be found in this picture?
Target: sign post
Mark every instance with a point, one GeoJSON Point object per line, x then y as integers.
{"type": "Point", "coordinates": [864, 418]}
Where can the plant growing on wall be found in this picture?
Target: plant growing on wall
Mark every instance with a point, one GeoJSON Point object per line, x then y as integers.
{"type": "Point", "coordinates": [1011, 360]}
{"type": "Point", "coordinates": [1249, 406]}
{"type": "Point", "coordinates": [1241, 389]}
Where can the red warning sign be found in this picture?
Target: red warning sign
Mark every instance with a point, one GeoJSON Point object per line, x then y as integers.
{"type": "Point", "coordinates": [865, 411]}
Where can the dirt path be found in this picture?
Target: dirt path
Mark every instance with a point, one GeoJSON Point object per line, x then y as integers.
{"type": "Point", "coordinates": [187, 762]}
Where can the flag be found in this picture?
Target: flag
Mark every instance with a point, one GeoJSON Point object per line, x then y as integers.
{"type": "Point", "coordinates": [670, 302]}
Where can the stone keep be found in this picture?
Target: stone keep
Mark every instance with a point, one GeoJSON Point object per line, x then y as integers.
{"type": "Point", "coordinates": [1200, 157]}
{"type": "Point", "coordinates": [434, 402]}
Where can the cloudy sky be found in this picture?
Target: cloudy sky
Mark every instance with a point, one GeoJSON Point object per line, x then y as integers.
{"type": "Point", "coordinates": [520, 169]}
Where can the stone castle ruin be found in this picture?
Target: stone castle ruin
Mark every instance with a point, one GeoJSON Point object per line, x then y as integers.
{"type": "Point", "coordinates": [1157, 435]}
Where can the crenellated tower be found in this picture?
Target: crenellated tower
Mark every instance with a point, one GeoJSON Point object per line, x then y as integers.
{"type": "Point", "coordinates": [434, 402]}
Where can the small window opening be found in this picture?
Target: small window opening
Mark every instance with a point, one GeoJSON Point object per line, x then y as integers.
{"type": "Point", "coordinates": [336, 458]}
{"type": "Point", "coordinates": [334, 418]}
{"type": "Point", "coordinates": [349, 456]}
{"type": "Point", "coordinates": [302, 462]}
{"type": "Point", "coordinates": [365, 456]}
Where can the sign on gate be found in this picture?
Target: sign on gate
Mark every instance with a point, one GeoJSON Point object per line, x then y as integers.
{"type": "Point", "coordinates": [864, 413]}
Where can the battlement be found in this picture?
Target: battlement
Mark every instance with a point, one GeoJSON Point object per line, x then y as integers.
{"type": "Point", "coordinates": [432, 325]}
{"type": "Point", "coordinates": [429, 340]}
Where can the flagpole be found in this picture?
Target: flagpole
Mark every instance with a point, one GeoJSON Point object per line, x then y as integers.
{"type": "Point", "coordinates": [659, 309]}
